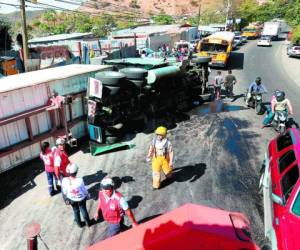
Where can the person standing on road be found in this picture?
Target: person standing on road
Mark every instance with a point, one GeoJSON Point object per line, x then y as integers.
{"type": "Point", "coordinates": [61, 159]}
{"type": "Point", "coordinates": [48, 158]}
{"type": "Point", "coordinates": [162, 155]}
{"type": "Point", "coordinates": [113, 207]}
{"type": "Point", "coordinates": [230, 80]}
{"type": "Point", "coordinates": [76, 194]}
{"type": "Point", "coordinates": [217, 84]}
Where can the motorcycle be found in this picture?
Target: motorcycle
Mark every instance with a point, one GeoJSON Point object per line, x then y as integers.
{"type": "Point", "coordinates": [280, 121]}
{"type": "Point", "coordinates": [256, 102]}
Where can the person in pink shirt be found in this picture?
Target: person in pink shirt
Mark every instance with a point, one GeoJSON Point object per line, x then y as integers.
{"type": "Point", "coordinates": [47, 157]}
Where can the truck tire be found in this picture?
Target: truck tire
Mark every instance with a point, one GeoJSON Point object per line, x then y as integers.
{"type": "Point", "coordinates": [110, 78]}
{"type": "Point", "coordinates": [112, 90]}
{"type": "Point", "coordinates": [138, 83]}
{"type": "Point", "coordinates": [134, 73]}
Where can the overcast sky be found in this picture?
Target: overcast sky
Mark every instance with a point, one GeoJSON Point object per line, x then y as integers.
{"type": "Point", "coordinates": [4, 9]}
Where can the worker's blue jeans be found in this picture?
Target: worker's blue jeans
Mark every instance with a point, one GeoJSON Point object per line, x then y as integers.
{"type": "Point", "coordinates": [114, 229]}
{"type": "Point", "coordinates": [51, 178]}
{"type": "Point", "coordinates": [80, 207]}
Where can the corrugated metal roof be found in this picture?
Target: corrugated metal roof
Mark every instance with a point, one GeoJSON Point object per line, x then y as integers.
{"type": "Point", "coordinates": [59, 37]}
{"type": "Point", "coordinates": [46, 75]}
{"type": "Point", "coordinates": [147, 29]}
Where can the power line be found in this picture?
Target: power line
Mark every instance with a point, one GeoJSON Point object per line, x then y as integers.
{"type": "Point", "coordinates": [74, 11]}
{"type": "Point", "coordinates": [18, 6]}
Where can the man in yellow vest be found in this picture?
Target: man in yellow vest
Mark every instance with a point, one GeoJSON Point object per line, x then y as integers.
{"type": "Point", "coordinates": [162, 156]}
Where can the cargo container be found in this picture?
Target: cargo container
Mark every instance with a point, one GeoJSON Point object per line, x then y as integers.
{"type": "Point", "coordinates": [27, 116]}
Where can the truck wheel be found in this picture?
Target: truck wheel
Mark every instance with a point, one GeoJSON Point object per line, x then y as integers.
{"type": "Point", "coordinates": [111, 78]}
{"type": "Point", "coordinates": [135, 73]}
{"type": "Point", "coordinates": [113, 90]}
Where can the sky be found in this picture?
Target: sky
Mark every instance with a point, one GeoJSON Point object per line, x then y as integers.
{"type": "Point", "coordinates": [4, 9]}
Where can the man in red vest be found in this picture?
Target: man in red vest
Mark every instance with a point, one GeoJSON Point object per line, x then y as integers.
{"type": "Point", "coordinates": [113, 207]}
{"type": "Point", "coordinates": [61, 159]}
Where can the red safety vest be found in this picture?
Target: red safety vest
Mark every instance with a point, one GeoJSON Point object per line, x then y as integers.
{"type": "Point", "coordinates": [111, 209]}
{"type": "Point", "coordinates": [48, 160]}
{"type": "Point", "coordinates": [64, 161]}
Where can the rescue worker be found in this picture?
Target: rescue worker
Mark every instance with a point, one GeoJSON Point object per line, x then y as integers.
{"type": "Point", "coordinates": [113, 207]}
{"type": "Point", "coordinates": [162, 156]}
{"type": "Point", "coordinates": [61, 159]}
{"type": "Point", "coordinates": [76, 194]}
{"type": "Point", "coordinates": [229, 82]}
{"type": "Point", "coordinates": [256, 86]}
{"type": "Point", "coordinates": [47, 157]}
{"type": "Point", "coordinates": [281, 104]}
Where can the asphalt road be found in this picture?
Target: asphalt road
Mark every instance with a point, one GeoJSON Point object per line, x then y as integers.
{"type": "Point", "coordinates": [219, 148]}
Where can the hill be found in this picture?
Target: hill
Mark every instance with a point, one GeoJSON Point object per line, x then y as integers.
{"type": "Point", "coordinates": [30, 14]}
{"type": "Point", "coordinates": [149, 7]}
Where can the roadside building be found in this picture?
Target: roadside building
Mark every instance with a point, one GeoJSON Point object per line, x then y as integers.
{"type": "Point", "coordinates": [27, 116]}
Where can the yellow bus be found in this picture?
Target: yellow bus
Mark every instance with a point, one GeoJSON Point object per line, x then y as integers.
{"type": "Point", "coordinates": [218, 46]}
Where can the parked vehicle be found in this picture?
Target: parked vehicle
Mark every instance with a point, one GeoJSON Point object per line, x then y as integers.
{"type": "Point", "coordinates": [293, 50]}
{"type": "Point", "coordinates": [271, 29]}
{"type": "Point", "coordinates": [238, 40]}
{"type": "Point", "coordinates": [280, 185]}
{"type": "Point", "coordinates": [190, 227]}
{"type": "Point", "coordinates": [264, 41]}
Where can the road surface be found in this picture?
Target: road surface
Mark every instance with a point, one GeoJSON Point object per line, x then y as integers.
{"type": "Point", "coordinates": [218, 146]}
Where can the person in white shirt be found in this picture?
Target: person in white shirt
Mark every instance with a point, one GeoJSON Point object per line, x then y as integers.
{"type": "Point", "coordinates": [219, 80]}
{"type": "Point", "coordinates": [76, 194]}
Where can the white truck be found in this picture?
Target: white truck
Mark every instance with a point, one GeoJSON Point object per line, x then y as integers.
{"type": "Point", "coordinates": [271, 29]}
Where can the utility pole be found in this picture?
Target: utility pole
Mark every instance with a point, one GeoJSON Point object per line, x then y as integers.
{"type": "Point", "coordinates": [228, 9]}
{"type": "Point", "coordinates": [24, 34]}
{"type": "Point", "coordinates": [199, 12]}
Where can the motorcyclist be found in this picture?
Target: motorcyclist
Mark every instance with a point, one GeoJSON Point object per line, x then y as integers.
{"type": "Point", "coordinates": [270, 115]}
{"type": "Point", "coordinates": [281, 104]}
{"type": "Point", "coordinates": [255, 87]}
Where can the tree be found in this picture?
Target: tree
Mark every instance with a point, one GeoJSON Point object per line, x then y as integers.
{"type": "Point", "coordinates": [83, 23]}
{"type": "Point", "coordinates": [292, 14]}
{"type": "Point", "coordinates": [103, 25]}
{"type": "Point", "coordinates": [296, 34]}
{"type": "Point", "coordinates": [163, 19]}
{"type": "Point", "coordinates": [5, 38]}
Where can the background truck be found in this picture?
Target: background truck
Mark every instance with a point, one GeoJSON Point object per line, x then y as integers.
{"type": "Point", "coordinates": [271, 29]}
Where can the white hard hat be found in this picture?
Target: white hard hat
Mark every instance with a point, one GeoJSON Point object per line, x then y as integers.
{"type": "Point", "coordinates": [72, 168]}
{"type": "Point", "coordinates": [107, 183]}
{"type": "Point", "coordinates": [60, 141]}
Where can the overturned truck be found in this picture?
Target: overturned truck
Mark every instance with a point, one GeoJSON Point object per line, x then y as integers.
{"type": "Point", "coordinates": [138, 89]}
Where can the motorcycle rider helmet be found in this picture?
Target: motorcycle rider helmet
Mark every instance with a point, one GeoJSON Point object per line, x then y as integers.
{"type": "Point", "coordinates": [107, 183]}
{"type": "Point", "coordinates": [280, 95]}
{"type": "Point", "coordinates": [258, 80]}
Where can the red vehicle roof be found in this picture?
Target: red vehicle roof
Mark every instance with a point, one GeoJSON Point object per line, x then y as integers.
{"type": "Point", "coordinates": [189, 227]}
